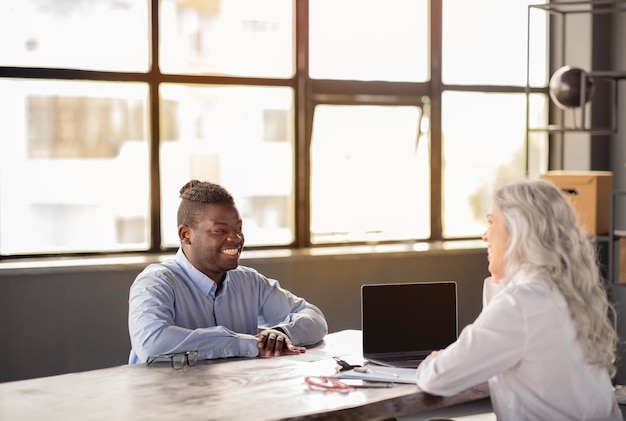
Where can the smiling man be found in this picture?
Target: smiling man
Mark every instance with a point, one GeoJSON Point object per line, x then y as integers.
{"type": "Point", "coordinates": [203, 300]}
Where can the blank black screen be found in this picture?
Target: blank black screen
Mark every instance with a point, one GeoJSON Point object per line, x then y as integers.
{"type": "Point", "coordinates": [408, 317]}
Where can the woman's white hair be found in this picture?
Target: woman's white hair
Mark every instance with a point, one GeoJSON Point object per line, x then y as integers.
{"type": "Point", "coordinates": [545, 241]}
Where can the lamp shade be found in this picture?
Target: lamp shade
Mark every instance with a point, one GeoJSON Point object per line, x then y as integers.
{"type": "Point", "coordinates": [565, 87]}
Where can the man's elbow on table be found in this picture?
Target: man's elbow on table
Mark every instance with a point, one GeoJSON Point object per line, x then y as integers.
{"type": "Point", "coordinates": [143, 352]}
{"type": "Point", "coordinates": [309, 329]}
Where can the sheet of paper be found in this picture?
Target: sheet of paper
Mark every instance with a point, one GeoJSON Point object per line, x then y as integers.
{"type": "Point", "coordinates": [380, 374]}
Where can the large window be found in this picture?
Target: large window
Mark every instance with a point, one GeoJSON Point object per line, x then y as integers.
{"type": "Point", "coordinates": [330, 121]}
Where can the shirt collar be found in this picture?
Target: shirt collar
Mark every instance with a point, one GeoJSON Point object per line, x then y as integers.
{"type": "Point", "coordinates": [205, 284]}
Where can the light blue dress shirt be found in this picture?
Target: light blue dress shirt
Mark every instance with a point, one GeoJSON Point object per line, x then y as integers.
{"type": "Point", "coordinates": [173, 308]}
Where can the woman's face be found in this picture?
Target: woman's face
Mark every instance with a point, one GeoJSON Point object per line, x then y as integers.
{"type": "Point", "coordinates": [497, 240]}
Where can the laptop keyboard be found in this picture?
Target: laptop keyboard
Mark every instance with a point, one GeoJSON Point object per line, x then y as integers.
{"type": "Point", "coordinates": [407, 363]}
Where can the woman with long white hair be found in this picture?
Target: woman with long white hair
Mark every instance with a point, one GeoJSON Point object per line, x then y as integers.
{"type": "Point", "coordinates": [546, 339]}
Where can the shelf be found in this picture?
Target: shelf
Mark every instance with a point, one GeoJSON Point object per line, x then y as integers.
{"type": "Point", "coordinates": [578, 120]}
{"type": "Point", "coordinates": [592, 131]}
{"type": "Point", "coordinates": [616, 235]}
{"type": "Point", "coordinates": [560, 11]}
{"type": "Point", "coordinates": [587, 6]}
{"type": "Point", "coordinates": [607, 74]}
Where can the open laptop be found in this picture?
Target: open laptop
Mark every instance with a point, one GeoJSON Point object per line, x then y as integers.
{"type": "Point", "coordinates": [403, 323]}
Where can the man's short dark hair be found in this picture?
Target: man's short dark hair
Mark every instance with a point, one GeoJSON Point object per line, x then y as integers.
{"type": "Point", "coordinates": [195, 195]}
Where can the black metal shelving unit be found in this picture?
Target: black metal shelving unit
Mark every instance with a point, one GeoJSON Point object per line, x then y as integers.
{"type": "Point", "coordinates": [616, 233]}
{"type": "Point", "coordinates": [559, 14]}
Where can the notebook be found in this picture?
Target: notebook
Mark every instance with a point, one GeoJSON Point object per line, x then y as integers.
{"type": "Point", "coordinates": [402, 323]}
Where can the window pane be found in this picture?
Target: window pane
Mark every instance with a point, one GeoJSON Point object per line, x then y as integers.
{"type": "Point", "coordinates": [485, 42]}
{"type": "Point", "coordinates": [98, 35]}
{"type": "Point", "coordinates": [369, 40]}
{"type": "Point", "coordinates": [370, 178]}
{"type": "Point", "coordinates": [234, 37]}
{"type": "Point", "coordinates": [480, 151]}
{"type": "Point", "coordinates": [538, 140]}
{"type": "Point", "coordinates": [73, 166]}
{"type": "Point", "coordinates": [537, 46]}
{"type": "Point", "coordinates": [239, 137]}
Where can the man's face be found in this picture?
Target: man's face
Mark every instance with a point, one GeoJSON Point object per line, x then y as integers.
{"type": "Point", "coordinates": [215, 245]}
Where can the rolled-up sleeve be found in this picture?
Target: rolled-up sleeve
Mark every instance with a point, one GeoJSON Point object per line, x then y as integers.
{"type": "Point", "coordinates": [303, 322]}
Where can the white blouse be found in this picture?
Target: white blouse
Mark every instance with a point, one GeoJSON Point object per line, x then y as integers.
{"type": "Point", "coordinates": [524, 343]}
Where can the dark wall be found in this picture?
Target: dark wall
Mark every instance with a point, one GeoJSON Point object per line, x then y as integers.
{"type": "Point", "coordinates": [57, 320]}
{"type": "Point", "coordinates": [68, 319]}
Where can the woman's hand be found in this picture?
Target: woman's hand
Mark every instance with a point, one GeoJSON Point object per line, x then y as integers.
{"type": "Point", "coordinates": [433, 354]}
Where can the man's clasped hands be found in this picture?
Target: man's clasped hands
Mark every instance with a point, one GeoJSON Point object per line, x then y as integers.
{"type": "Point", "coordinates": [272, 342]}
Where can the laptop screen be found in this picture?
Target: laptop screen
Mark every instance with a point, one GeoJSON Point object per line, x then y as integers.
{"type": "Point", "coordinates": [405, 318]}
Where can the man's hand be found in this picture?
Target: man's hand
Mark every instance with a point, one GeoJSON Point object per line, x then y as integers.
{"type": "Point", "coordinates": [275, 343]}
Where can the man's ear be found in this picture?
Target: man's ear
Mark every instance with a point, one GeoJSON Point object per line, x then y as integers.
{"type": "Point", "coordinates": [184, 234]}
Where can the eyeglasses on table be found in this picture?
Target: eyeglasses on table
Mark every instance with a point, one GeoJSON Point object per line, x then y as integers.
{"type": "Point", "coordinates": [178, 359]}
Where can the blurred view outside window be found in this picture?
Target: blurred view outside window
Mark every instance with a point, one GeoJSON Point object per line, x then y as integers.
{"type": "Point", "coordinates": [77, 34]}
{"type": "Point", "coordinates": [240, 137]}
{"type": "Point", "coordinates": [73, 166]}
{"type": "Point", "coordinates": [480, 152]}
{"type": "Point", "coordinates": [229, 37]}
{"type": "Point", "coordinates": [369, 40]}
{"type": "Point", "coordinates": [369, 177]}
{"type": "Point", "coordinates": [323, 137]}
{"type": "Point", "coordinates": [483, 133]}
{"type": "Point", "coordinates": [472, 53]}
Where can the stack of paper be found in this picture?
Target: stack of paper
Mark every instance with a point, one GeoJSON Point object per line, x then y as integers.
{"type": "Point", "coordinates": [380, 374]}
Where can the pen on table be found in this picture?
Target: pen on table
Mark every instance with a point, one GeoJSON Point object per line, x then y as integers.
{"type": "Point", "coordinates": [369, 371]}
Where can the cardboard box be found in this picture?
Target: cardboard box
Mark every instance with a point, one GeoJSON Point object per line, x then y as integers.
{"type": "Point", "coordinates": [590, 194]}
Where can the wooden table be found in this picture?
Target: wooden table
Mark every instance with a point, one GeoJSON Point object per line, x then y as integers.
{"type": "Point", "coordinates": [234, 389]}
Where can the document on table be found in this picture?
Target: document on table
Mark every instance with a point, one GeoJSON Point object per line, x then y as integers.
{"type": "Point", "coordinates": [381, 374]}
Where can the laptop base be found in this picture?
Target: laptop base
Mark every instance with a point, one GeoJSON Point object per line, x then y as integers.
{"type": "Point", "coordinates": [395, 363]}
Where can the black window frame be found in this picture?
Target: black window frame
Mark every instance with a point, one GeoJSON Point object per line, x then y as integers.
{"type": "Point", "coordinates": [308, 94]}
